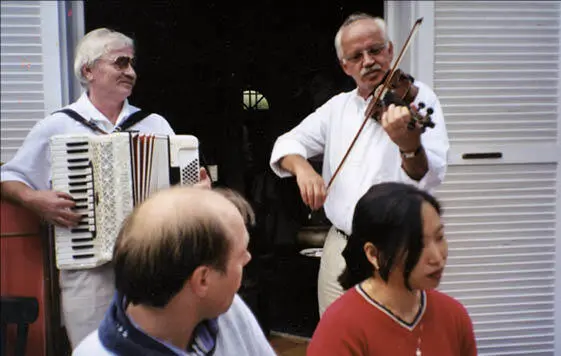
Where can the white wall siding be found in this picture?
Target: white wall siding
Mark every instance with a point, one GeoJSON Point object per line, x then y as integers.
{"type": "Point", "coordinates": [496, 71]}
{"type": "Point", "coordinates": [30, 68]}
{"type": "Point", "coordinates": [495, 67]}
{"type": "Point", "coordinates": [500, 223]}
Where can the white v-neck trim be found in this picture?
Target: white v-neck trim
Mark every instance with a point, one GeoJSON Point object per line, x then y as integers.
{"type": "Point", "coordinates": [402, 323]}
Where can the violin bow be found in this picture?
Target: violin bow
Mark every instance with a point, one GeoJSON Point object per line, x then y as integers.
{"type": "Point", "coordinates": [378, 95]}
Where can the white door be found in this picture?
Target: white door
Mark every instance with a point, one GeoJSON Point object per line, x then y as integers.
{"type": "Point", "coordinates": [31, 81]}
{"type": "Point", "coordinates": [495, 67]}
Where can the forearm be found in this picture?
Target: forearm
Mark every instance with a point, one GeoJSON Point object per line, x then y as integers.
{"type": "Point", "coordinates": [16, 192]}
{"type": "Point", "coordinates": [295, 164]}
{"type": "Point", "coordinates": [416, 167]}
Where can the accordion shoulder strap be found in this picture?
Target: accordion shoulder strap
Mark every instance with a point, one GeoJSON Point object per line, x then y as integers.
{"type": "Point", "coordinates": [130, 121]}
{"type": "Point", "coordinates": [73, 114]}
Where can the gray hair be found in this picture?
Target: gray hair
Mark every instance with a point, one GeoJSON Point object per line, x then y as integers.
{"type": "Point", "coordinates": [95, 44]}
{"type": "Point", "coordinates": [356, 17]}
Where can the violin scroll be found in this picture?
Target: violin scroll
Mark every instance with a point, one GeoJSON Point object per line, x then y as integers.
{"type": "Point", "coordinates": [423, 121]}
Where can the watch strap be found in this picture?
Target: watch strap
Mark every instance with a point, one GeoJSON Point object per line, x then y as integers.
{"type": "Point", "coordinates": [411, 154]}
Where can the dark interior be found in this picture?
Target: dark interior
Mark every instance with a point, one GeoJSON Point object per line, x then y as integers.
{"type": "Point", "coordinates": [194, 61]}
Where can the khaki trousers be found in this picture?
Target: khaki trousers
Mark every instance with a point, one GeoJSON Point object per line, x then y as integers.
{"type": "Point", "coordinates": [331, 266]}
{"type": "Point", "coordinates": [85, 296]}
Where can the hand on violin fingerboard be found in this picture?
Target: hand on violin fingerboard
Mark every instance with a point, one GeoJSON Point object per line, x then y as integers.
{"type": "Point", "coordinates": [395, 120]}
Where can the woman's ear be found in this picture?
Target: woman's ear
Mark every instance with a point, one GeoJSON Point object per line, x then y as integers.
{"type": "Point", "coordinates": [371, 253]}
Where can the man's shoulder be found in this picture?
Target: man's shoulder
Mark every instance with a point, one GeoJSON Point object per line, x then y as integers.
{"type": "Point", "coordinates": [240, 332]}
{"type": "Point", "coordinates": [54, 123]}
{"type": "Point", "coordinates": [151, 121]}
{"type": "Point", "coordinates": [420, 84]}
{"type": "Point", "coordinates": [155, 116]}
{"type": "Point", "coordinates": [238, 307]}
{"type": "Point", "coordinates": [59, 116]}
{"type": "Point", "coordinates": [238, 318]}
{"type": "Point", "coordinates": [341, 97]}
{"type": "Point", "coordinates": [148, 115]}
{"type": "Point", "coordinates": [424, 89]}
{"type": "Point", "coordinates": [135, 110]}
{"type": "Point", "coordinates": [91, 346]}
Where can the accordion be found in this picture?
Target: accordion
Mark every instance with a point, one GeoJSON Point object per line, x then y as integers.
{"type": "Point", "coordinates": [107, 176]}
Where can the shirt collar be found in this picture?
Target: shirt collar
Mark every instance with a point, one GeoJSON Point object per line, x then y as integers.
{"type": "Point", "coordinates": [205, 335]}
{"type": "Point", "coordinates": [203, 340]}
{"type": "Point", "coordinates": [359, 101]}
{"type": "Point", "coordinates": [90, 112]}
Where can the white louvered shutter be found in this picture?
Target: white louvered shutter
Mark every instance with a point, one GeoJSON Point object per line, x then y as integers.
{"type": "Point", "coordinates": [496, 72]}
{"type": "Point", "coordinates": [30, 68]}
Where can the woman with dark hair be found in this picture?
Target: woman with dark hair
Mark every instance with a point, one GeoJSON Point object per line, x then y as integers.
{"type": "Point", "coordinates": [395, 257]}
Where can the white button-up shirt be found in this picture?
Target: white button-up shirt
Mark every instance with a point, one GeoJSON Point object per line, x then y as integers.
{"type": "Point", "coordinates": [375, 158]}
{"type": "Point", "coordinates": [32, 163]}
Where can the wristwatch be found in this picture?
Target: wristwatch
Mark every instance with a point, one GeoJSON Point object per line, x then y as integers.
{"type": "Point", "coordinates": [411, 154]}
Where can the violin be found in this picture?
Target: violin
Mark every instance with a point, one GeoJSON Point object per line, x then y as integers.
{"type": "Point", "coordinates": [397, 88]}
{"type": "Point", "coordinates": [401, 91]}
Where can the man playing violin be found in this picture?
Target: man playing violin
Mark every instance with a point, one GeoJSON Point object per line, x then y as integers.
{"type": "Point", "coordinates": [386, 150]}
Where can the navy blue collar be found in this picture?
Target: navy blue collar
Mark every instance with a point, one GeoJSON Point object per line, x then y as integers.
{"type": "Point", "coordinates": [119, 335]}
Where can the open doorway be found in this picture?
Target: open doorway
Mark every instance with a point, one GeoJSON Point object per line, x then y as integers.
{"type": "Point", "coordinates": [197, 62]}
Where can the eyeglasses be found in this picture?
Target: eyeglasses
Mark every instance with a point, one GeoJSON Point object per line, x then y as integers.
{"type": "Point", "coordinates": [123, 62]}
{"type": "Point", "coordinates": [359, 55]}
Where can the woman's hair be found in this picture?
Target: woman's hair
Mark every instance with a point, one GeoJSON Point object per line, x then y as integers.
{"type": "Point", "coordinates": [389, 217]}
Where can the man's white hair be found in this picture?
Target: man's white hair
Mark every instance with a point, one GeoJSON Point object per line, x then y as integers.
{"type": "Point", "coordinates": [95, 44]}
{"type": "Point", "coordinates": [356, 17]}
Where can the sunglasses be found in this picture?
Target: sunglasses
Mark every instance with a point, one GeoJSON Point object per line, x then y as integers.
{"type": "Point", "coordinates": [123, 62]}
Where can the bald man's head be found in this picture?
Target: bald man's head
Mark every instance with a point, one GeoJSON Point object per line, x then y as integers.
{"type": "Point", "coordinates": [167, 237]}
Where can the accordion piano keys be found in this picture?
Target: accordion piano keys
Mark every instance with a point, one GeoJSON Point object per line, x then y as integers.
{"type": "Point", "coordinates": [107, 175]}
{"type": "Point", "coordinates": [72, 173]}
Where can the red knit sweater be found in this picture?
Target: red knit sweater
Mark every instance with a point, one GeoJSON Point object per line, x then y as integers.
{"type": "Point", "coordinates": [357, 325]}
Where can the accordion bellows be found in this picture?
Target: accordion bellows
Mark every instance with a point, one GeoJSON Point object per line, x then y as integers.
{"type": "Point", "coordinates": [107, 176]}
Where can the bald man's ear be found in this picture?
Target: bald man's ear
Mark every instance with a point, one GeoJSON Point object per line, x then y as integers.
{"type": "Point", "coordinates": [200, 281]}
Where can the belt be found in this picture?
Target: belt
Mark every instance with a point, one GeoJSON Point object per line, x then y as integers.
{"type": "Point", "coordinates": [341, 232]}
